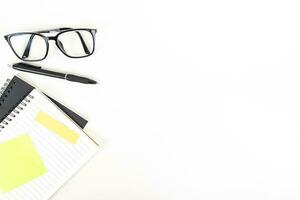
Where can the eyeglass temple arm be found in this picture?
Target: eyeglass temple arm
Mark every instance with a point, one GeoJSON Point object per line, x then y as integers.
{"type": "Point", "coordinates": [86, 50]}
{"type": "Point", "coordinates": [28, 46]}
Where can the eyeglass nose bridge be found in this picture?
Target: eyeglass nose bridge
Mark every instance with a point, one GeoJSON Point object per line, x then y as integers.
{"type": "Point", "coordinates": [57, 42]}
{"type": "Point", "coordinates": [52, 38]}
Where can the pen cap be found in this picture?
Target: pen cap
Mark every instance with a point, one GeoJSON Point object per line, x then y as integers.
{"type": "Point", "coordinates": [25, 65]}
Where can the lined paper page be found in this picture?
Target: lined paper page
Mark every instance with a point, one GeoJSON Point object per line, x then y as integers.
{"type": "Point", "coordinates": [60, 157]}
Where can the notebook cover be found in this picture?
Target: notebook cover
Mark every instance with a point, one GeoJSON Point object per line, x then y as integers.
{"type": "Point", "coordinates": [17, 90]}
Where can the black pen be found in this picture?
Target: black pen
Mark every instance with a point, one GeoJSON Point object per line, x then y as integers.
{"type": "Point", "coordinates": [24, 67]}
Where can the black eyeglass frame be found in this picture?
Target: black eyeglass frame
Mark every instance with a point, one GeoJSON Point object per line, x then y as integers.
{"type": "Point", "coordinates": [54, 38]}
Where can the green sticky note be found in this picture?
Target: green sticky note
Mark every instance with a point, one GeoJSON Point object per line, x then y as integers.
{"type": "Point", "coordinates": [19, 163]}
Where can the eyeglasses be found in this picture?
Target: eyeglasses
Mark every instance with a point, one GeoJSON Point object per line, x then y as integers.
{"type": "Point", "coordinates": [34, 46]}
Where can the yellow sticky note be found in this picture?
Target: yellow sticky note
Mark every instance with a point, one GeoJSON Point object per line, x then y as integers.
{"type": "Point", "coordinates": [19, 163]}
{"type": "Point", "coordinates": [57, 127]}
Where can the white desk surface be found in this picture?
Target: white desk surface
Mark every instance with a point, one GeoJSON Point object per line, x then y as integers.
{"type": "Point", "coordinates": [197, 99]}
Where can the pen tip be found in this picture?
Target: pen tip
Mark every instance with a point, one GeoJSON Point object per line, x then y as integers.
{"type": "Point", "coordinates": [92, 82]}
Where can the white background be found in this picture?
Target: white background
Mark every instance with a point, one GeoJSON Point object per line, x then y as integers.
{"type": "Point", "coordinates": [197, 99]}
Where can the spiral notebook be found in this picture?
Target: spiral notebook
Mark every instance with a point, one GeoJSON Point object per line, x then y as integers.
{"type": "Point", "coordinates": [41, 147]}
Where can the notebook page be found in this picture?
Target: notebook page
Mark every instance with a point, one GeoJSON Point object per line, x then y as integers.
{"type": "Point", "coordinates": [53, 148]}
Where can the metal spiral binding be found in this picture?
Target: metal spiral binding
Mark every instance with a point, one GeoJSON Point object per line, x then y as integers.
{"type": "Point", "coordinates": [2, 89]}
{"type": "Point", "coordinates": [15, 112]}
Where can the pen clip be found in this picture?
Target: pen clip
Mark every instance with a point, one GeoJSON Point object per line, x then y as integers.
{"type": "Point", "coordinates": [27, 66]}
